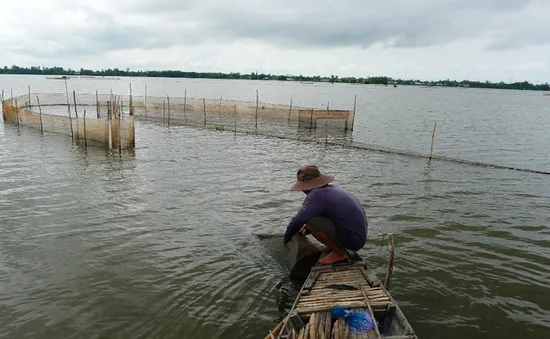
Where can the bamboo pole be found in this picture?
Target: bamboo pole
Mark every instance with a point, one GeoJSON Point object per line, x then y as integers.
{"type": "Point", "coordinates": [30, 105]}
{"type": "Point", "coordinates": [131, 102]}
{"type": "Point", "coordinates": [371, 313]}
{"type": "Point", "coordinates": [145, 100]}
{"type": "Point", "coordinates": [220, 107]}
{"type": "Point", "coordinates": [204, 109]}
{"type": "Point", "coordinates": [69, 110]}
{"type": "Point", "coordinates": [432, 145]}
{"type": "Point", "coordinates": [97, 104]}
{"type": "Point", "coordinates": [168, 100]}
{"type": "Point", "coordinates": [275, 330]}
{"type": "Point", "coordinates": [85, 141]}
{"type": "Point", "coordinates": [289, 111]}
{"type": "Point", "coordinates": [354, 110]}
{"type": "Point", "coordinates": [11, 89]}
{"type": "Point", "coordinates": [326, 125]}
{"type": "Point", "coordinates": [257, 103]}
{"type": "Point", "coordinates": [184, 104]}
{"type": "Point", "coordinates": [119, 128]}
{"type": "Point", "coordinates": [391, 250]}
{"type": "Point", "coordinates": [163, 110]}
{"type": "Point", "coordinates": [235, 117]}
{"type": "Point", "coordinates": [17, 113]}
{"type": "Point", "coordinates": [74, 101]}
{"type": "Point", "coordinates": [40, 115]}
{"type": "Point", "coordinates": [311, 120]}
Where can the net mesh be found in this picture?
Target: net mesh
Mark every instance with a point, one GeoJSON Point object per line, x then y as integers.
{"type": "Point", "coordinates": [109, 119]}
{"type": "Point", "coordinates": [98, 119]}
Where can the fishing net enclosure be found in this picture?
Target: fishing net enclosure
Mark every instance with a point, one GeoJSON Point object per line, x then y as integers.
{"type": "Point", "coordinates": [109, 119]}
{"type": "Point", "coordinates": [243, 116]}
{"type": "Point", "coordinates": [102, 119]}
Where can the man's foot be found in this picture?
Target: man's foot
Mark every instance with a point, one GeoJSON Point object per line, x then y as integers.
{"type": "Point", "coordinates": [325, 249]}
{"type": "Point", "coordinates": [334, 257]}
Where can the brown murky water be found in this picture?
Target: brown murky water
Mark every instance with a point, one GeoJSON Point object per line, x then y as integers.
{"type": "Point", "coordinates": [158, 243]}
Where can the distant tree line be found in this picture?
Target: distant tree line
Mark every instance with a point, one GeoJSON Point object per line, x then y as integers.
{"type": "Point", "coordinates": [378, 80]}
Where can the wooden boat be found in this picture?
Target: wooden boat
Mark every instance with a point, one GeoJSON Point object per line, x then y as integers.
{"type": "Point", "coordinates": [353, 286]}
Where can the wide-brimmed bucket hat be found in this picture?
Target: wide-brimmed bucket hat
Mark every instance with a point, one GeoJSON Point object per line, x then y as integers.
{"type": "Point", "coordinates": [309, 177]}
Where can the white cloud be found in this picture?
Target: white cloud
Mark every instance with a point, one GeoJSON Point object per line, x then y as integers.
{"type": "Point", "coordinates": [492, 39]}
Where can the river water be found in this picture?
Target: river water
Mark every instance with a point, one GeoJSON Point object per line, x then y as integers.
{"type": "Point", "coordinates": [158, 242]}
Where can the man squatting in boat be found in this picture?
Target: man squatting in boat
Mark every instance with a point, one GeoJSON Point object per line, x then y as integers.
{"type": "Point", "coordinates": [333, 216]}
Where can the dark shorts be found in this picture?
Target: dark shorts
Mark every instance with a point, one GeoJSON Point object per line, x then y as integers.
{"type": "Point", "coordinates": [339, 236]}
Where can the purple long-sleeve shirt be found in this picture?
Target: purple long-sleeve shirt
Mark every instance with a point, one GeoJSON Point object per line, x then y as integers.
{"type": "Point", "coordinates": [344, 209]}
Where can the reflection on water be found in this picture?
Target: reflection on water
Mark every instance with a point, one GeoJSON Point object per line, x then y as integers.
{"type": "Point", "coordinates": [160, 243]}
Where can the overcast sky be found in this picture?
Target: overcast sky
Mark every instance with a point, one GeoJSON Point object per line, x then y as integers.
{"type": "Point", "coordinates": [422, 39]}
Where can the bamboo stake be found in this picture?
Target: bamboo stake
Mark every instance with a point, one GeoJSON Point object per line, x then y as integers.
{"type": "Point", "coordinates": [11, 89]}
{"type": "Point", "coordinates": [97, 103]}
{"type": "Point", "coordinates": [131, 102]}
{"type": "Point", "coordinates": [326, 125]}
{"type": "Point", "coordinates": [145, 100]}
{"type": "Point", "coordinates": [311, 120]}
{"type": "Point", "coordinates": [168, 100]}
{"type": "Point", "coordinates": [184, 104]}
{"type": "Point", "coordinates": [69, 110]}
{"type": "Point", "coordinates": [119, 129]}
{"type": "Point", "coordinates": [85, 141]}
{"type": "Point", "coordinates": [30, 105]}
{"type": "Point", "coordinates": [220, 108]}
{"type": "Point", "coordinates": [163, 110]}
{"type": "Point", "coordinates": [74, 101]}
{"type": "Point", "coordinates": [17, 113]}
{"type": "Point", "coordinates": [432, 146]}
{"type": "Point", "coordinates": [204, 109]}
{"type": "Point", "coordinates": [40, 115]}
{"type": "Point", "coordinates": [235, 117]}
{"type": "Point", "coordinates": [289, 110]}
{"type": "Point", "coordinates": [391, 250]}
{"type": "Point", "coordinates": [354, 109]}
{"type": "Point", "coordinates": [257, 103]}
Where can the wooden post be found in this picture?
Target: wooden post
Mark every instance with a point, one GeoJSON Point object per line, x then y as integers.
{"type": "Point", "coordinates": [311, 120]}
{"type": "Point", "coordinates": [85, 141]}
{"type": "Point", "coordinates": [131, 102]}
{"type": "Point", "coordinates": [119, 129]}
{"type": "Point", "coordinates": [432, 146]}
{"type": "Point", "coordinates": [289, 111]}
{"type": "Point", "coordinates": [163, 110]}
{"type": "Point", "coordinates": [184, 104]}
{"type": "Point", "coordinates": [40, 115]}
{"type": "Point", "coordinates": [30, 105]}
{"type": "Point", "coordinates": [145, 100]}
{"type": "Point", "coordinates": [391, 250]}
{"type": "Point", "coordinates": [69, 110]}
{"type": "Point", "coordinates": [168, 100]}
{"type": "Point", "coordinates": [74, 101]}
{"type": "Point", "coordinates": [97, 103]}
{"type": "Point", "coordinates": [235, 117]}
{"type": "Point", "coordinates": [257, 103]}
{"type": "Point", "coordinates": [17, 113]}
{"type": "Point", "coordinates": [204, 109]}
{"type": "Point", "coordinates": [326, 125]}
{"type": "Point", "coordinates": [354, 109]}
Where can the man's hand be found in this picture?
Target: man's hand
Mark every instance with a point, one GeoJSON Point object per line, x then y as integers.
{"type": "Point", "coordinates": [303, 231]}
{"type": "Point", "coordinates": [286, 247]}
